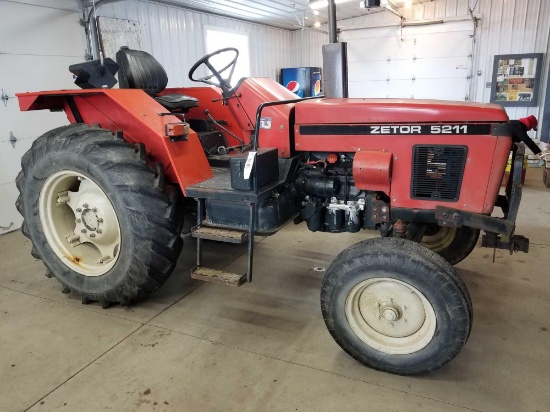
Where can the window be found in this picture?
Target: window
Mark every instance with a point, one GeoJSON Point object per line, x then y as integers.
{"type": "Point", "coordinates": [218, 38]}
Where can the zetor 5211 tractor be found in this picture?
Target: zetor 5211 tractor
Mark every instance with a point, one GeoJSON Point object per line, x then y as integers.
{"type": "Point", "coordinates": [103, 199]}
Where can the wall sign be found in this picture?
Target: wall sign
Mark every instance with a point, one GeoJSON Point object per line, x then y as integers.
{"type": "Point", "coordinates": [516, 79]}
{"type": "Point", "coordinates": [114, 33]}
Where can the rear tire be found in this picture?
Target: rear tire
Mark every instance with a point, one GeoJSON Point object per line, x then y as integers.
{"type": "Point", "coordinates": [395, 306]}
{"type": "Point", "coordinates": [454, 244]}
{"type": "Point", "coordinates": [98, 215]}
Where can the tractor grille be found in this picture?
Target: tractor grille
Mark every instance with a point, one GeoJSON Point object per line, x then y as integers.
{"type": "Point", "coordinates": [437, 172]}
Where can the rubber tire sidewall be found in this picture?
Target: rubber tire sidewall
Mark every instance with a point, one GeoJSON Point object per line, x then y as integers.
{"type": "Point", "coordinates": [462, 245]}
{"type": "Point", "coordinates": [451, 309]}
{"type": "Point", "coordinates": [49, 164]}
{"type": "Point", "coordinates": [433, 257]}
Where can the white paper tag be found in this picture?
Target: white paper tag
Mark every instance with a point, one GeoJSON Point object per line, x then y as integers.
{"type": "Point", "coordinates": [248, 165]}
{"type": "Point", "coordinates": [265, 123]}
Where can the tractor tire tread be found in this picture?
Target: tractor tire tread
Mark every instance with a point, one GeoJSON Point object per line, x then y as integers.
{"type": "Point", "coordinates": [399, 253]}
{"type": "Point", "coordinates": [152, 213]}
{"type": "Point", "coordinates": [358, 249]}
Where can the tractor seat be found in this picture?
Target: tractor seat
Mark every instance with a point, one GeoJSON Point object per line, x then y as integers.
{"type": "Point", "coordinates": [177, 101]}
{"type": "Point", "coordinates": [140, 70]}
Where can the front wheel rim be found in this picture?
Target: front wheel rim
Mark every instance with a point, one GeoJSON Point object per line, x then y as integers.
{"type": "Point", "coordinates": [440, 239]}
{"type": "Point", "coordinates": [390, 316]}
{"type": "Point", "coordinates": [79, 223]}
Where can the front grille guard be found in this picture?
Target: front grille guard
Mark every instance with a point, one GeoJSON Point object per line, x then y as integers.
{"type": "Point", "coordinates": [500, 231]}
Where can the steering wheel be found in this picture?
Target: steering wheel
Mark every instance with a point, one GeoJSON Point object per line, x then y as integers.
{"type": "Point", "coordinates": [223, 83]}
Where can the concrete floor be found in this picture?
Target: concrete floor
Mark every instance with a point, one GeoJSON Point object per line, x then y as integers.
{"type": "Point", "coordinates": [196, 346]}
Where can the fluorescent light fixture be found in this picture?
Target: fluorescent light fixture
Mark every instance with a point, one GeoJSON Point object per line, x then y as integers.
{"type": "Point", "coordinates": [315, 12]}
{"type": "Point", "coordinates": [421, 22]}
{"type": "Point", "coordinates": [315, 5]}
{"type": "Point", "coordinates": [317, 24]}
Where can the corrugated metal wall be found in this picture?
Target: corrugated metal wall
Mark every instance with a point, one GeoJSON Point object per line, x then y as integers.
{"type": "Point", "coordinates": [307, 47]}
{"type": "Point", "coordinates": [176, 38]}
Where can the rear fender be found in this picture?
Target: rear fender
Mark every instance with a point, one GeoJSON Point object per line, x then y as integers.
{"type": "Point", "coordinates": [140, 118]}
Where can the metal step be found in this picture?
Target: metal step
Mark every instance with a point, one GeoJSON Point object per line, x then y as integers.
{"type": "Point", "coordinates": [202, 231]}
{"type": "Point", "coordinates": [219, 234]}
{"type": "Point", "coordinates": [217, 276]}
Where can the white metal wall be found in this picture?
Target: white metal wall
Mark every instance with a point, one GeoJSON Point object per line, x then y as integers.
{"type": "Point", "coordinates": [175, 37]}
{"type": "Point", "coordinates": [307, 48]}
{"type": "Point", "coordinates": [45, 37]}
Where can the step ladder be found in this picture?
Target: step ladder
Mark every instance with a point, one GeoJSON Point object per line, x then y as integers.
{"type": "Point", "coordinates": [204, 232]}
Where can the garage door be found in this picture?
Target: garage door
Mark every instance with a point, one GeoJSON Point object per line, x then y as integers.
{"type": "Point", "coordinates": [419, 62]}
{"type": "Point", "coordinates": [38, 45]}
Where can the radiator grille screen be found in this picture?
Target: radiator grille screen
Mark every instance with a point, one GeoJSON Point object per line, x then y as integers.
{"type": "Point", "coordinates": [437, 172]}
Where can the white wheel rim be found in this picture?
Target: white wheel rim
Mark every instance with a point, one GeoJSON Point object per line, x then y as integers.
{"type": "Point", "coordinates": [440, 240]}
{"type": "Point", "coordinates": [80, 223]}
{"type": "Point", "coordinates": [390, 316]}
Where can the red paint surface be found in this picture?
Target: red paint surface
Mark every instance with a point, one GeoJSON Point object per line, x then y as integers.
{"type": "Point", "coordinates": [254, 91]}
{"type": "Point", "coordinates": [485, 159]}
{"type": "Point", "coordinates": [137, 114]}
{"type": "Point", "coordinates": [482, 150]}
{"type": "Point", "coordinates": [360, 111]}
{"type": "Point", "coordinates": [372, 170]}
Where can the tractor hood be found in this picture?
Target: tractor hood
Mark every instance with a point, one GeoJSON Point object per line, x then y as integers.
{"type": "Point", "coordinates": [383, 111]}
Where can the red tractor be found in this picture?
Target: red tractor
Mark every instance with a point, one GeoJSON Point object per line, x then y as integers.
{"type": "Point", "coordinates": [103, 199]}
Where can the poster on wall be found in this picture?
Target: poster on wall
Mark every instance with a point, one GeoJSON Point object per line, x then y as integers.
{"type": "Point", "coordinates": [516, 79]}
{"type": "Point", "coordinates": [114, 33]}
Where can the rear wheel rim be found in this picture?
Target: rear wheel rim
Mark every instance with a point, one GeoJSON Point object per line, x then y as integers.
{"type": "Point", "coordinates": [390, 315]}
{"type": "Point", "coordinates": [440, 239]}
{"type": "Point", "coordinates": [80, 223]}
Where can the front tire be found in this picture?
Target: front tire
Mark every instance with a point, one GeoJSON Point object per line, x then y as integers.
{"type": "Point", "coordinates": [454, 244]}
{"type": "Point", "coordinates": [98, 215]}
{"type": "Point", "coordinates": [394, 306]}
